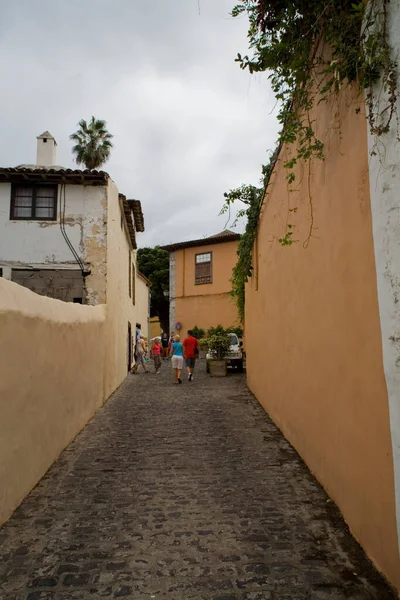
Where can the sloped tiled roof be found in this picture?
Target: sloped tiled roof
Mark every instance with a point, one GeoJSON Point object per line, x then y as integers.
{"type": "Point", "coordinates": [133, 208]}
{"type": "Point", "coordinates": [129, 221]}
{"type": "Point", "coordinates": [53, 174]}
{"type": "Point", "coordinates": [218, 238]}
{"type": "Point", "coordinates": [136, 207]}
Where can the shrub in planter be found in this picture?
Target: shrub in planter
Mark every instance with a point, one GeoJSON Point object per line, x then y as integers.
{"type": "Point", "coordinates": [203, 343]}
{"type": "Point", "coordinates": [237, 329]}
{"type": "Point", "coordinates": [219, 346]}
{"type": "Point", "coordinates": [198, 332]}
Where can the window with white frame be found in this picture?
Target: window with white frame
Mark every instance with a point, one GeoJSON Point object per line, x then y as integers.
{"type": "Point", "coordinates": [203, 268]}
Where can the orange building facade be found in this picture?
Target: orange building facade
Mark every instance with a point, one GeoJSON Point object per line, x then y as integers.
{"type": "Point", "coordinates": [200, 287]}
{"type": "Point", "coordinates": [327, 309]}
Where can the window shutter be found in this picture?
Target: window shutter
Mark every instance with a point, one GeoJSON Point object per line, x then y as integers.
{"type": "Point", "coordinates": [203, 268]}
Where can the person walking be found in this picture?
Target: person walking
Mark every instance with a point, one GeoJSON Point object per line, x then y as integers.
{"type": "Point", "coordinates": [139, 356]}
{"type": "Point", "coordinates": [171, 341]}
{"type": "Point", "coordinates": [191, 348]}
{"type": "Point", "coordinates": [165, 344]}
{"type": "Point", "coordinates": [156, 351]}
{"type": "Point", "coordinates": [177, 358]}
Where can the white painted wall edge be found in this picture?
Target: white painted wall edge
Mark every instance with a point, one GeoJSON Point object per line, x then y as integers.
{"type": "Point", "coordinates": [384, 175]}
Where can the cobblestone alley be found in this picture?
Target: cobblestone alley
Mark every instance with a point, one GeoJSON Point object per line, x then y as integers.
{"type": "Point", "coordinates": [181, 493]}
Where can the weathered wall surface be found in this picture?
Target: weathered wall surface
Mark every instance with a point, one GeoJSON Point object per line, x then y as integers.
{"type": "Point", "coordinates": [63, 284]}
{"type": "Point", "coordinates": [94, 242]}
{"type": "Point", "coordinates": [41, 242]}
{"type": "Point", "coordinates": [208, 304]}
{"type": "Point", "coordinates": [313, 334]}
{"type": "Point", "coordinates": [51, 383]}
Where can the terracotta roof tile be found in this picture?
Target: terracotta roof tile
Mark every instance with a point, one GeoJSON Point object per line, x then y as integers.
{"type": "Point", "coordinates": [218, 238]}
{"type": "Point", "coordinates": [53, 174]}
{"type": "Point", "coordinates": [136, 207]}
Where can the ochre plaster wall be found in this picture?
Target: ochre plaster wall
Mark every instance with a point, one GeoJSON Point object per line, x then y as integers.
{"type": "Point", "coordinates": [51, 383]}
{"type": "Point", "coordinates": [155, 327]}
{"type": "Point", "coordinates": [120, 307]}
{"type": "Point", "coordinates": [208, 304]}
{"type": "Point", "coordinates": [206, 311]}
{"type": "Point", "coordinates": [313, 339]}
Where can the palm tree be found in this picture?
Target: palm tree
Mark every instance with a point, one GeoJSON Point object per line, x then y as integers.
{"type": "Point", "coordinates": [93, 143]}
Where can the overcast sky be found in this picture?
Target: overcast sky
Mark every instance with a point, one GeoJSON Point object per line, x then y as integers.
{"type": "Point", "coordinates": [188, 123]}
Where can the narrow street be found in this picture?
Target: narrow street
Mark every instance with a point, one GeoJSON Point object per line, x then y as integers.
{"type": "Point", "coordinates": [181, 493]}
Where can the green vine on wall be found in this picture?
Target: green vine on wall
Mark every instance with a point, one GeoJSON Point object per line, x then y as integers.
{"type": "Point", "coordinates": [252, 197]}
{"type": "Point", "coordinates": [311, 50]}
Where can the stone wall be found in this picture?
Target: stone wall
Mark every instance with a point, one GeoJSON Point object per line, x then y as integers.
{"type": "Point", "coordinates": [66, 285]}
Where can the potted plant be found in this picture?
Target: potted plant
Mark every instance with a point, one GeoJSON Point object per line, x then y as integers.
{"type": "Point", "coordinates": [203, 343]}
{"type": "Point", "coordinates": [218, 347]}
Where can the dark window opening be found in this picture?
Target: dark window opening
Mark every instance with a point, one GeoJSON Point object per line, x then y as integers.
{"type": "Point", "coordinates": [45, 140]}
{"type": "Point", "coordinates": [203, 268]}
{"type": "Point", "coordinates": [1, 272]}
{"type": "Point", "coordinates": [78, 300]}
{"type": "Point", "coordinates": [34, 202]}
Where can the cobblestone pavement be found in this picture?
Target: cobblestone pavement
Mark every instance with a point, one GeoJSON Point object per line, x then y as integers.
{"type": "Point", "coordinates": [181, 493]}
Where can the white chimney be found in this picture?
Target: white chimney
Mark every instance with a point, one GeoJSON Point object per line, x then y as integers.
{"type": "Point", "coordinates": [46, 150]}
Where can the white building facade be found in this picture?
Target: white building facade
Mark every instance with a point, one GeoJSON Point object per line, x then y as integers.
{"type": "Point", "coordinates": [70, 235]}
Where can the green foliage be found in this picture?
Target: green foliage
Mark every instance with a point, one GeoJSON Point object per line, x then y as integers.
{"type": "Point", "coordinates": [290, 41]}
{"type": "Point", "coordinates": [218, 342]}
{"type": "Point", "coordinates": [154, 264]}
{"type": "Point", "coordinates": [203, 343]}
{"type": "Point", "coordinates": [311, 49]}
{"type": "Point", "coordinates": [252, 198]}
{"type": "Point", "coordinates": [93, 143]}
{"type": "Point", "coordinates": [198, 332]}
{"type": "Point", "coordinates": [237, 329]}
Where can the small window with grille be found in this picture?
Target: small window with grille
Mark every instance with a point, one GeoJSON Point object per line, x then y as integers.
{"type": "Point", "coordinates": [34, 202]}
{"type": "Point", "coordinates": [203, 268]}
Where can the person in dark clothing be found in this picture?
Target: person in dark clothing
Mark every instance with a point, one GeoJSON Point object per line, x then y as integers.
{"type": "Point", "coordinates": [164, 344]}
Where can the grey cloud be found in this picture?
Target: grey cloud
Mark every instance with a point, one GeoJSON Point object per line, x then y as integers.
{"type": "Point", "coordinates": [188, 123]}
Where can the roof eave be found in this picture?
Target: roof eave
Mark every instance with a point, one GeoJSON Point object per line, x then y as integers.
{"type": "Point", "coordinates": [144, 278]}
{"type": "Point", "coordinates": [129, 221]}
{"type": "Point", "coordinates": [136, 207]}
{"type": "Point", "coordinates": [76, 177]}
{"type": "Point", "coordinates": [204, 242]}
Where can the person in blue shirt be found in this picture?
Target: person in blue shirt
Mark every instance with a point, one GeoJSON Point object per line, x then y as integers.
{"type": "Point", "coordinates": [177, 358]}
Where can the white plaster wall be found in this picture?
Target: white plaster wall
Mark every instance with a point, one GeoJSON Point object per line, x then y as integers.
{"type": "Point", "coordinates": [385, 205]}
{"type": "Point", "coordinates": [120, 308]}
{"type": "Point", "coordinates": [41, 242]}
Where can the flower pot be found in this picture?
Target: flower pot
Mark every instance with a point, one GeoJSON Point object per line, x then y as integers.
{"type": "Point", "coordinates": [218, 368]}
